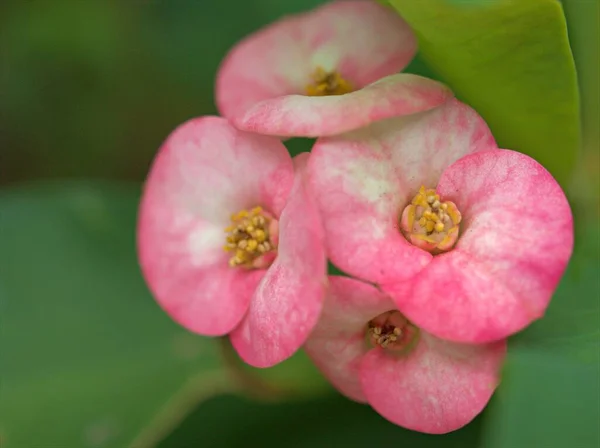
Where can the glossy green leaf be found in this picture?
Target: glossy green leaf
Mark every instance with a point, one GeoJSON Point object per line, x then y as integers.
{"type": "Point", "coordinates": [87, 357]}
{"type": "Point", "coordinates": [584, 33]}
{"type": "Point", "coordinates": [512, 62]}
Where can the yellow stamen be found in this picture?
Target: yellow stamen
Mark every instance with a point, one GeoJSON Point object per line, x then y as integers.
{"type": "Point", "coordinates": [260, 235]}
{"type": "Point", "coordinates": [327, 83]}
{"type": "Point", "coordinates": [252, 245]}
{"type": "Point", "coordinates": [248, 237]}
{"type": "Point", "coordinates": [430, 223]}
{"type": "Point", "coordinates": [392, 331]}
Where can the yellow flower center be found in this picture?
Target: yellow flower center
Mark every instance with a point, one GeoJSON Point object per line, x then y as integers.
{"type": "Point", "coordinates": [430, 223]}
{"type": "Point", "coordinates": [392, 331]}
{"type": "Point", "coordinates": [327, 83]}
{"type": "Point", "coordinates": [250, 237]}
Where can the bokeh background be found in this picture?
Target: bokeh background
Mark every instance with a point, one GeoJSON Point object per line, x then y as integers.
{"type": "Point", "coordinates": [89, 90]}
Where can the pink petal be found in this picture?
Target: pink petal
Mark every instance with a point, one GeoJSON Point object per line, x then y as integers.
{"type": "Point", "coordinates": [296, 115]}
{"type": "Point", "coordinates": [362, 40]}
{"type": "Point", "coordinates": [288, 301]}
{"type": "Point", "coordinates": [436, 388]}
{"type": "Point", "coordinates": [516, 239]}
{"type": "Point", "coordinates": [365, 178]}
{"type": "Point", "coordinates": [194, 185]}
{"type": "Point", "coordinates": [338, 342]}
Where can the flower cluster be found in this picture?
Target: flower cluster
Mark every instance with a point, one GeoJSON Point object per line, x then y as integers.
{"type": "Point", "coordinates": [450, 243]}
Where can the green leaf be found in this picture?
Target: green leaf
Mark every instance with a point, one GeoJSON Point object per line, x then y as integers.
{"type": "Point", "coordinates": [584, 34]}
{"type": "Point", "coordinates": [512, 62]}
{"type": "Point", "coordinates": [329, 421]}
{"type": "Point", "coordinates": [88, 358]}
{"type": "Point", "coordinates": [550, 393]}
{"type": "Point", "coordinates": [547, 400]}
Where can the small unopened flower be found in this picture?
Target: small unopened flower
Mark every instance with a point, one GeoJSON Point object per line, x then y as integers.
{"type": "Point", "coordinates": [373, 354]}
{"type": "Point", "coordinates": [320, 73]}
{"type": "Point", "coordinates": [230, 240]}
{"type": "Point", "coordinates": [468, 239]}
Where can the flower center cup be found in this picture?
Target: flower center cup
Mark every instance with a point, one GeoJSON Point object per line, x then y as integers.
{"type": "Point", "coordinates": [252, 238]}
{"type": "Point", "coordinates": [429, 223]}
{"type": "Point", "coordinates": [327, 83]}
{"type": "Point", "coordinates": [392, 331]}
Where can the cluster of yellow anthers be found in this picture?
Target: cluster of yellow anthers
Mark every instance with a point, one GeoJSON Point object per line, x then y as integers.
{"type": "Point", "coordinates": [248, 236]}
{"type": "Point", "coordinates": [327, 83]}
{"type": "Point", "coordinates": [436, 215]}
{"type": "Point", "coordinates": [430, 223]}
{"type": "Point", "coordinates": [384, 336]}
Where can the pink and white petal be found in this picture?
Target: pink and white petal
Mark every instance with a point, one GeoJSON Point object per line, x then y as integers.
{"type": "Point", "coordinates": [192, 188]}
{"type": "Point", "coordinates": [209, 169]}
{"type": "Point", "coordinates": [365, 178]}
{"type": "Point", "coordinates": [297, 115]}
{"type": "Point", "coordinates": [184, 264]}
{"type": "Point", "coordinates": [338, 342]}
{"type": "Point", "coordinates": [517, 222]}
{"type": "Point", "coordinates": [516, 240]}
{"type": "Point", "coordinates": [269, 63]}
{"type": "Point", "coordinates": [361, 39]}
{"type": "Point", "coordinates": [436, 388]}
{"type": "Point", "coordinates": [455, 299]}
{"type": "Point", "coordinates": [287, 303]}
{"type": "Point", "coordinates": [422, 146]}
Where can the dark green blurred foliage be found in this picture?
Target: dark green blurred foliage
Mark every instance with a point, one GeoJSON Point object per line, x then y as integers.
{"type": "Point", "coordinates": [88, 358]}
{"type": "Point", "coordinates": [330, 421]}
{"type": "Point", "coordinates": [90, 89]}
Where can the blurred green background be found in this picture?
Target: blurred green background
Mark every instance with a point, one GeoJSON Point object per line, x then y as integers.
{"type": "Point", "coordinates": [89, 90]}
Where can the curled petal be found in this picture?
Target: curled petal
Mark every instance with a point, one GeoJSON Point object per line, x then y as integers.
{"type": "Point", "coordinates": [338, 342]}
{"type": "Point", "coordinates": [365, 178]}
{"type": "Point", "coordinates": [288, 300]}
{"type": "Point", "coordinates": [193, 187]}
{"type": "Point", "coordinates": [436, 388]}
{"type": "Point", "coordinates": [296, 115]}
{"type": "Point", "coordinates": [361, 40]}
{"type": "Point", "coordinates": [516, 240]}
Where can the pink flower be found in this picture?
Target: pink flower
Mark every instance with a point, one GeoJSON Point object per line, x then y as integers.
{"type": "Point", "coordinates": [373, 354]}
{"type": "Point", "coordinates": [315, 73]}
{"type": "Point", "coordinates": [473, 257]}
{"type": "Point", "coordinates": [230, 241]}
